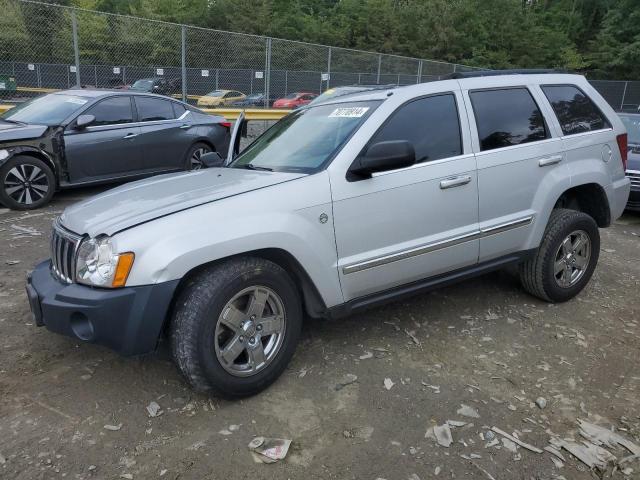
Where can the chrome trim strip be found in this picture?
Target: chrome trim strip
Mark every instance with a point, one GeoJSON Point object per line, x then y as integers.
{"type": "Point", "coordinates": [432, 247]}
{"type": "Point", "coordinates": [394, 257]}
{"type": "Point", "coordinates": [503, 227]}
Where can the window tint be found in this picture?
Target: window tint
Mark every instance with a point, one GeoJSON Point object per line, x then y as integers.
{"type": "Point", "coordinates": [150, 109]}
{"type": "Point", "coordinates": [178, 109]}
{"type": "Point", "coordinates": [575, 111]}
{"type": "Point", "coordinates": [507, 117]}
{"type": "Point", "coordinates": [112, 111]}
{"type": "Point", "coordinates": [431, 124]}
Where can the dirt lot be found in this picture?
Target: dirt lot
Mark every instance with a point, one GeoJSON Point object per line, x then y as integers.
{"type": "Point", "coordinates": [483, 343]}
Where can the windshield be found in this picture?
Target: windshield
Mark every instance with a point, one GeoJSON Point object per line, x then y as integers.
{"type": "Point", "coordinates": [336, 92]}
{"type": "Point", "coordinates": [47, 110]}
{"type": "Point", "coordinates": [291, 96]}
{"type": "Point", "coordinates": [306, 139]}
{"type": "Point", "coordinates": [215, 93]}
{"type": "Point", "coordinates": [632, 124]}
{"type": "Point", "coordinates": [144, 84]}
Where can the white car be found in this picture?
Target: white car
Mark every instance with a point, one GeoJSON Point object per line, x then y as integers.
{"type": "Point", "coordinates": [339, 207]}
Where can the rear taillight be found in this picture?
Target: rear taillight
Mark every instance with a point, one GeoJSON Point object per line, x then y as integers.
{"type": "Point", "coordinates": [622, 145]}
{"type": "Point", "coordinates": [226, 124]}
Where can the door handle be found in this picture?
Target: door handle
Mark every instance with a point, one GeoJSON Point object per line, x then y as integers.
{"type": "Point", "coordinates": [544, 162]}
{"type": "Point", "coordinates": [454, 182]}
{"type": "Point", "coordinates": [130, 135]}
{"type": "Point", "coordinates": [185, 126]}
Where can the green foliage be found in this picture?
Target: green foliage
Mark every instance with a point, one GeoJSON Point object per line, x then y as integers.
{"type": "Point", "coordinates": [598, 37]}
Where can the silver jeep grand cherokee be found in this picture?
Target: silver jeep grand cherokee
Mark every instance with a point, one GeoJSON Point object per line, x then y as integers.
{"type": "Point", "coordinates": [337, 207]}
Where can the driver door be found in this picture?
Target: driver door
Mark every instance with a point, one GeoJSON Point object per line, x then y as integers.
{"type": "Point", "coordinates": [107, 148]}
{"type": "Point", "coordinates": [405, 225]}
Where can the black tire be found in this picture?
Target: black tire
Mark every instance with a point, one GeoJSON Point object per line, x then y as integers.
{"type": "Point", "coordinates": [26, 183]}
{"type": "Point", "coordinates": [537, 273]}
{"type": "Point", "coordinates": [195, 150]}
{"type": "Point", "coordinates": [196, 316]}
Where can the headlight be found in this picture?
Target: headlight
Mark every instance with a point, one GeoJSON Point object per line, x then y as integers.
{"type": "Point", "coordinates": [99, 265]}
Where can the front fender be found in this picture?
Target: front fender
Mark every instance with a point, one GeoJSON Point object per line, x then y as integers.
{"type": "Point", "coordinates": [285, 218]}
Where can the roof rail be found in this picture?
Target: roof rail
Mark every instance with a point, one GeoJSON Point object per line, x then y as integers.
{"type": "Point", "coordinates": [491, 73]}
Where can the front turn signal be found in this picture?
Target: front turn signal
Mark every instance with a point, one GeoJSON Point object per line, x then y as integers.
{"type": "Point", "coordinates": [125, 262]}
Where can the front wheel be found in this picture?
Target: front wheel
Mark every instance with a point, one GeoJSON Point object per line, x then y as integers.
{"type": "Point", "coordinates": [235, 326]}
{"type": "Point", "coordinates": [26, 183]}
{"type": "Point", "coordinates": [566, 258]}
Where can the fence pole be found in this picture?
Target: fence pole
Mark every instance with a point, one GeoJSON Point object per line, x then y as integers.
{"type": "Point", "coordinates": [624, 94]}
{"type": "Point", "coordinates": [328, 68]}
{"type": "Point", "coordinates": [184, 63]}
{"type": "Point", "coordinates": [267, 72]}
{"type": "Point", "coordinates": [76, 51]}
{"type": "Point", "coordinates": [379, 65]}
{"type": "Point", "coordinates": [95, 75]}
{"type": "Point", "coordinates": [419, 71]}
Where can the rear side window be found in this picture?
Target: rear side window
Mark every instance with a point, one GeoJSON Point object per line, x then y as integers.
{"type": "Point", "coordinates": [112, 111]}
{"type": "Point", "coordinates": [431, 124]}
{"type": "Point", "coordinates": [507, 117]}
{"type": "Point", "coordinates": [575, 111]}
{"type": "Point", "coordinates": [151, 109]}
{"type": "Point", "coordinates": [178, 109]}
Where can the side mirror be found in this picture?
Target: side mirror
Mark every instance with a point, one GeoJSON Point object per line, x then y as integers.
{"type": "Point", "coordinates": [383, 156]}
{"type": "Point", "coordinates": [212, 160]}
{"type": "Point", "coordinates": [84, 121]}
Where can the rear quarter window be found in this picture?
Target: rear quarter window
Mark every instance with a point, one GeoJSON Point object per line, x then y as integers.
{"type": "Point", "coordinates": [576, 112]}
{"type": "Point", "coordinates": [507, 117]}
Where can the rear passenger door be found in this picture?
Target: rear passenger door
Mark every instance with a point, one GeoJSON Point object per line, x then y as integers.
{"type": "Point", "coordinates": [412, 223]}
{"type": "Point", "coordinates": [519, 160]}
{"type": "Point", "coordinates": [166, 133]}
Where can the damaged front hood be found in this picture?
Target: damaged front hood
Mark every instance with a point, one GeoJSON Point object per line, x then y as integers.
{"type": "Point", "coordinates": [20, 131]}
{"type": "Point", "coordinates": [142, 201]}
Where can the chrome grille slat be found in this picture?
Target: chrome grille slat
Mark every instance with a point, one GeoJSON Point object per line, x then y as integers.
{"type": "Point", "coordinates": [634, 176]}
{"type": "Point", "coordinates": [64, 247]}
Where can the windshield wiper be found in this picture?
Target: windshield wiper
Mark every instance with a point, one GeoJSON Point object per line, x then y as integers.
{"type": "Point", "coordinates": [250, 166]}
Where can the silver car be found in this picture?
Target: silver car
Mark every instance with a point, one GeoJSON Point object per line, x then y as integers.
{"type": "Point", "coordinates": [81, 137]}
{"type": "Point", "coordinates": [339, 207]}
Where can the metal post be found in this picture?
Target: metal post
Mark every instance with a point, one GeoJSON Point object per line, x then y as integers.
{"type": "Point", "coordinates": [455, 67]}
{"type": "Point", "coordinates": [95, 75]}
{"type": "Point", "coordinates": [286, 82]}
{"type": "Point", "coordinates": [184, 63]}
{"type": "Point", "coordinates": [329, 68]}
{"type": "Point", "coordinates": [267, 72]}
{"type": "Point", "coordinates": [379, 65]}
{"type": "Point", "coordinates": [76, 51]}
{"type": "Point", "coordinates": [398, 82]}
{"type": "Point", "coordinates": [217, 77]}
{"type": "Point", "coordinates": [419, 72]}
{"type": "Point", "coordinates": [359, 78]}
{"type": "Point", "coordinates": [624, 94]}
{"type": "Point", "coordinates": [39, 78]}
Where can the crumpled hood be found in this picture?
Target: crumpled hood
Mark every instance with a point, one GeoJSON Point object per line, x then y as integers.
{"type": "Point", "coordinates": [144, 200]}
{"type": "Point", "coordinates": [20, 131]}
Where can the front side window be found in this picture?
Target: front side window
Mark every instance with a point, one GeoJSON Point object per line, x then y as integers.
{"type": "Point", "coordinates": [178, 109]}
{"type": "Point", "coordinates": [50, 109]}
{"type": "Point", "coordinates": [112, 111]}
{"type": "Point", "coordinates": [506, 117]}
{"type": "Point", "coordinates": [305, 140]}
{"type": "Point", "coordinates": [575, 111]}
{"type": "Point", "coordinates": [431, 124]}
{"type": "Point", "coordinates": [151, 109]}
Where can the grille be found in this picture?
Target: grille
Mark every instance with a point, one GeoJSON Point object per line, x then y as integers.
{"type": "Point", "coordinates": [634, 176]}
{"type": "Point", "coordinates": [64, 246]}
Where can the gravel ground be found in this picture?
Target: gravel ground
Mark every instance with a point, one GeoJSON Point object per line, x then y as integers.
{"type": "Point", "coordinates": [483, 344]}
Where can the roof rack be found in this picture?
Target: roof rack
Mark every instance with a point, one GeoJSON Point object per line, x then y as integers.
{"type": "Point", "coordinates": [491, 73]}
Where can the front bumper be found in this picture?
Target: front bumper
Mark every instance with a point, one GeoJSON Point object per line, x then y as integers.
{"type": "Point", "coordinates": [128, 320]}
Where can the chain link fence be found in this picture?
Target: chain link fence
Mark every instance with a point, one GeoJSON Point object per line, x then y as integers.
{"type": "Point", "coordinates": [46, 47]}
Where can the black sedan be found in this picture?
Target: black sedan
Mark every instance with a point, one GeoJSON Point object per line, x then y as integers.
{"type": "Point", "coordinates": [253, 100]}
{"type": "Point", "coordinates": [82, 137]}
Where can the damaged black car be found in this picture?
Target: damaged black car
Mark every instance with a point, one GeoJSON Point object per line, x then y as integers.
{"type": "Point", "coordinates": [83, 137]}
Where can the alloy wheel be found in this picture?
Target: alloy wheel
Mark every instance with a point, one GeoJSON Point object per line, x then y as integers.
{"type": "Point", "coordinates": [250, 331]}
{"type": "Point", "coordinates": [196, 162]}
{"type": "Point", "coordinates": [26, 183]}
{"type": "Point", "coordinates": [572, 258]}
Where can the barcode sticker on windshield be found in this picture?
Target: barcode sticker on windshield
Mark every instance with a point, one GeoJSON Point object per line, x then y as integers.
{"type": "Point", "coordinates": [349, 112]}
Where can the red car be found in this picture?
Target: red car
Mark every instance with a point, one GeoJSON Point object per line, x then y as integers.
{"type": "Point", "coordinates": [294, 100]}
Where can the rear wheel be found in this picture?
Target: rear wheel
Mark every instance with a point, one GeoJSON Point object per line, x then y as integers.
{"type": "Point", "coordinates": [566, 258]}
{"type": "Point", "coordinates": [235, 326]}
{"type": "Point", "coordinates": [26, 183]}
{"type": "Point", "coordinates": [196, 151]}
